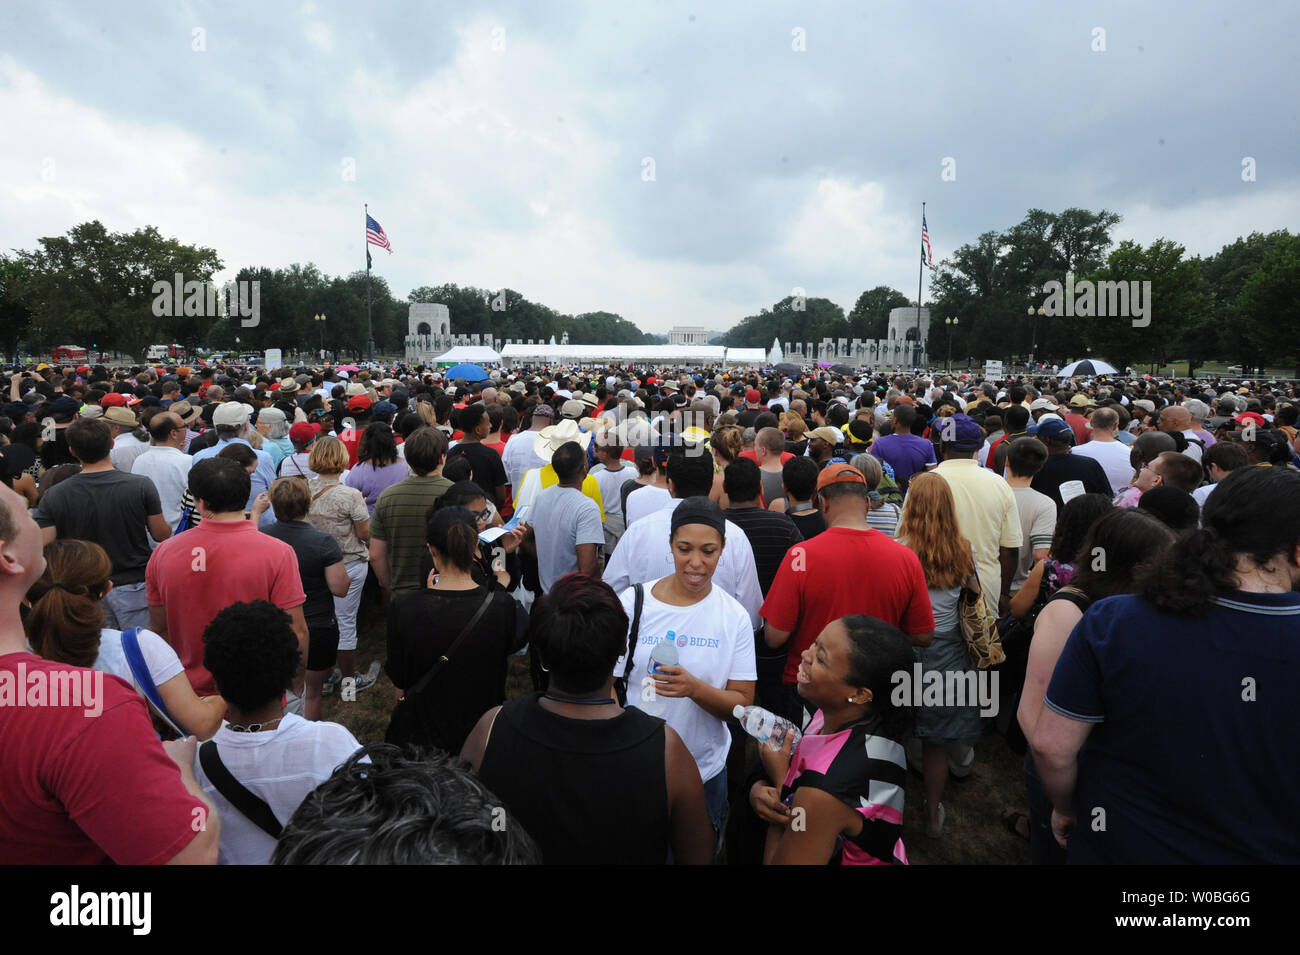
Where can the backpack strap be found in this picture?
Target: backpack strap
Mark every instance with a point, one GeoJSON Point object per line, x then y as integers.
{"type": "Point", "coordinates": [251, 807]}
{"type": "Point", "coordinates": [620, 684]}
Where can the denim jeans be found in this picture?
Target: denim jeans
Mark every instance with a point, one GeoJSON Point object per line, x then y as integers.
{"type": "Point", "coordinates": [126, 606]}
{"type": "Point", "coordinates": [715, 798]}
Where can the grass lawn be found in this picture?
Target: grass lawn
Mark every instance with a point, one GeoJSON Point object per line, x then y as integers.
{"type": "Point", "coordinates": [973, 831]}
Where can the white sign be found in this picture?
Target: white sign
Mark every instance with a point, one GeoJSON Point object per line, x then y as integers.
{"type": "Point", "coordinates": [272, 359]}
{"type": "Point", "coordinates": [993, 369]}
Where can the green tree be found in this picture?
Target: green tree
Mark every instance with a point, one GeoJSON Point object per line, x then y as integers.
{"type": "Point", "coordinates": [869, 318]}
{"type": "Point", "coordinates": [1179, 300]}
{"type": "Point", "coordinates": [1265, 318]}
{"type": "Point", "coordinates": [15, 315]}
{"type": "Point", "coordinates": [96, 287]}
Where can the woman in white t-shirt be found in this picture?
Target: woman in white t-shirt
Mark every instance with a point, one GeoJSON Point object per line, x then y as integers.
{"type": "Point", "coordinates": [66, 624]}
{"type": "Point", "coordinates": [715, 648]}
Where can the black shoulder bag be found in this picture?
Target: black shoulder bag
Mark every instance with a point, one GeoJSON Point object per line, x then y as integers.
{"type": "Point", "coordinates": [620, 683]}
{"type": "Point", "coordinates": [402, 729]}
{"type": "Point", "coordinates": [253, 808]}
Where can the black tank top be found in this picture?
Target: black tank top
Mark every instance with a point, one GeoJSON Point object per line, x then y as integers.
{"type": "Point", "coordinates": [589, 792]}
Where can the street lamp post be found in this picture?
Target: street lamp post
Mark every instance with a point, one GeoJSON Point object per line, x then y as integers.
{"type": "Point", "coordinates": [321, 318]}
{"type": "Point", "coordinates": [1033, 340]}
{"type": "Point", "coordinates": [951, 323]}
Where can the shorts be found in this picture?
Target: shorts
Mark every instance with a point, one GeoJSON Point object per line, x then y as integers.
{"type": "Point", "coordinates": [322, 646]}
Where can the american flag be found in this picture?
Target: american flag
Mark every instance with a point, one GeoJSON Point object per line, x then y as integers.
{"type": "Point", "coordinates": [375, 235]}
{"type": "Point", "coordinates": [925, 243]}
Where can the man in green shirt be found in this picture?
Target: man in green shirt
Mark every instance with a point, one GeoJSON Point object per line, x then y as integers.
{"type": "Point", "coordinates": [397, 542]}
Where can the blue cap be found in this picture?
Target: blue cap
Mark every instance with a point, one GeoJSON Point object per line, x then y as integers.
{"type": "Point", "coordinates": [1054, 429]}
{"type": "Point", "coordinates": [961, 433]}
{"type": "Point", "coordinates": [383, 408]}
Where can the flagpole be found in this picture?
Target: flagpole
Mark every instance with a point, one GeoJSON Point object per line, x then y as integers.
{"type": "Point", "coordinates": [920, 271]}
{"type": "Point", "coordinates": [370, 332]}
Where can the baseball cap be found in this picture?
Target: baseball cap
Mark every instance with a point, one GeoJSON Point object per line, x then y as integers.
{"type": "Point", "coordinates": [382, 408]}
{"type": "Point", "coordinates": [753, 395]}
{"type": "Point", "coordinates": [303, 433]}
{"type": "Point", "coordinates": [65, 406]}
{"type": "Point", "coordinates": [232, 413]}
{"type": "Point", "coordinates": [963, 434]}
{"type": "Point", "coordinates": [1252, 416]}
{"type": "Point", "coordinates": [1044, 404]}
{"type": "Point", "coordinates": [1054, 429]}
{"type": "Point", "coordinates": [828, 434]}
{"type": "Point", "coordinates": [573, 409]}
{"type": "Point", "coordinates": [359, 403]}
{"type": "Point", "coordinates": [839, 473]}
{"type": "Point", "coordinates": [92, 411]}
{"type": "Point", "coordinates": [1080, 401]}
{"type": "Point", "coordinates": [114, 399]}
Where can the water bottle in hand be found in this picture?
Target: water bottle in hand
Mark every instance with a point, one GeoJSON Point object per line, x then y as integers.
{"type": "Point", "coordinates": [663, 654]}
{"type": "Point", "coordinates": [765, 726]}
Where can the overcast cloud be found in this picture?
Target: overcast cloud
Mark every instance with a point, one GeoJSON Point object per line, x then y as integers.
{"type": "Point", "coordinates": [510, 144]}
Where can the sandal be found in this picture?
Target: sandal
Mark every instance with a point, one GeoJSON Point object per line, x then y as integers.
{"type": "Point", "coordinates": [1011, 822]}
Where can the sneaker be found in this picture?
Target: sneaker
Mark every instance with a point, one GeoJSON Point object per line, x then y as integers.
{"type": "Point", "coordinates": [365, 681]}
{"type": "Point", "coordinates": [332, 682]}
{"type": "Point", "coordinates": [961, 758]}
{"type": "Point", "coordinates": [934, 832]}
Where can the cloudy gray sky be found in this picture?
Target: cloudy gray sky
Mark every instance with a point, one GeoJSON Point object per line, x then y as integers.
{"type": "Point", "coordinates": [677, 163]}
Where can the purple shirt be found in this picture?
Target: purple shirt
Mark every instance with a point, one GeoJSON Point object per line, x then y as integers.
{"type": "Point", "coordinates": [907, 454]}
{"type": "Point", "coordinates": [372, 481]}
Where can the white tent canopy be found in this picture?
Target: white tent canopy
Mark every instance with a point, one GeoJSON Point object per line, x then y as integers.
{"type": "Point", "coordinates": [614, 354]}
{"type": "Point", "coordinates": [473, 354]}
{"type": "Point", "coordinates": [746, 356]}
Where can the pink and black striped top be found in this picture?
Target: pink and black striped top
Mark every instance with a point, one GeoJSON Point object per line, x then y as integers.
{"type": "Point", "coordinates": [864, 771]}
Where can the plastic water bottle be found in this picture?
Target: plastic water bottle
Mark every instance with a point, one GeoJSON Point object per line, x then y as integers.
{"type": "Point", "coordinates": [663, 654]}
{"type": "Point", "coordinates": [765, 726]}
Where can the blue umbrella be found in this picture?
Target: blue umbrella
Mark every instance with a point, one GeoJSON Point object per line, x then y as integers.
{"type": "Point", "coordinates": [470, 373]}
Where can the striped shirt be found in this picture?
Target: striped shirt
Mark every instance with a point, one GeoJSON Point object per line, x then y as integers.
{"type": "Point", "coordinates": [863, 770]}
{"type": "Point", "coordinates": [398, 520]}
{"type": "Point", "coordinates": [770, 535]}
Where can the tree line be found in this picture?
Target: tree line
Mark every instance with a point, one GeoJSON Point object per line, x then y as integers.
{"type": "Point", "coordinates": [97, 289]}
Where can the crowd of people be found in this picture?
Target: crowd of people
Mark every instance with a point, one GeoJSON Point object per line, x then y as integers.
{"type": "Point", "coordinates": [195, 551]}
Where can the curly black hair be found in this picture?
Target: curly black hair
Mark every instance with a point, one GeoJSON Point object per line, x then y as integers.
{"type": "Point", "coordinates": [252, 652]}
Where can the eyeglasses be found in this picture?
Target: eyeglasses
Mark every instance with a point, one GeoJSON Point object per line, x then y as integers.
{"type": "Point", "coordinates": [483, 515]}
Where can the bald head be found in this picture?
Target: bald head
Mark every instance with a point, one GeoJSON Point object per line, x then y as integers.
{"type": "Point", "coordinates": [1150, 445]}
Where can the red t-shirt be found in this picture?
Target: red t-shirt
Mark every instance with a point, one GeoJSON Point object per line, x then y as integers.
{"type": "Point", "coordinates": [196, 574]}
{"type": "Point", "coordinates": [351, 438]}
{"type": "Point", "coordinates": [80, 787]}
{"type": "Point", "coordinates": [842, 572]}
{"type": "Point", "coordinates": [785, 456]}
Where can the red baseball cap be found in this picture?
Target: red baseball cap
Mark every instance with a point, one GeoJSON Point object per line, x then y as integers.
{"type": "Point", "coordinates": [303, 433]}
{"type": "Point", "coordinates": [114, 399]}
{"type": "Point", "coordinates": [359, 403]}
{"type": "Point", "coordinates": [753, 395]}
{"type": "Point", "coordinates": [1252, 416]}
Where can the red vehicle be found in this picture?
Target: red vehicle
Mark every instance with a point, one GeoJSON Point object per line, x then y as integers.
{"type": "Point", "coordinates": [70, 354]}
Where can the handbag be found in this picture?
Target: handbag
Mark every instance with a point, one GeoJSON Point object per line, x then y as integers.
{"type": "Point", "coordinates": [163, 722]}
{"type": "Point", "coordinates": [403, 727]}
{"type": "Point", "coordinates": [620, 682]}
{"type": "Point", "coordinates": [979, 628]}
